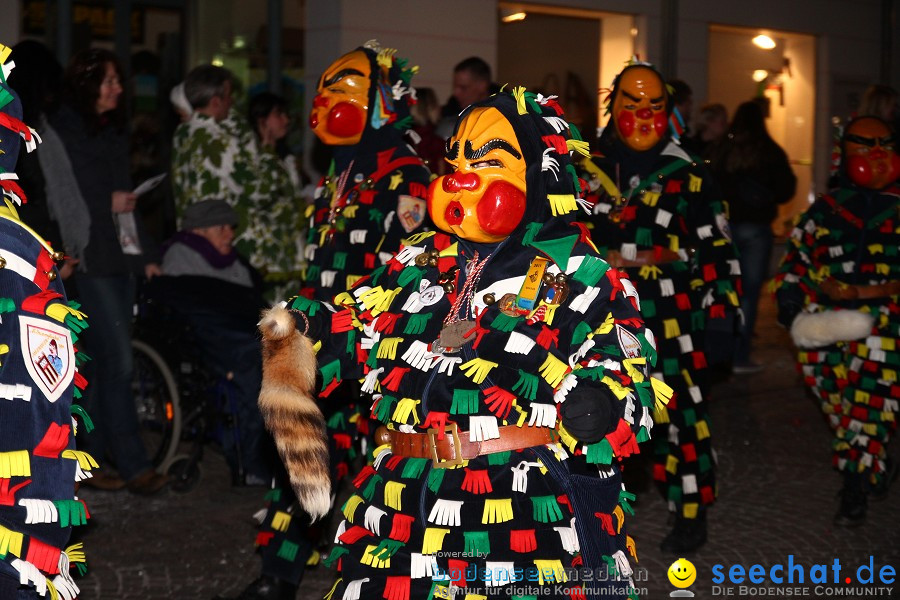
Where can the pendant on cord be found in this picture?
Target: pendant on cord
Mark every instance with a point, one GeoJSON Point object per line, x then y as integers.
{"type": "Point", "coordinates": [452, 336]}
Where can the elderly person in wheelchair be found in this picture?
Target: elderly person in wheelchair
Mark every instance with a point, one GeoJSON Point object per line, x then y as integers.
{"type": "Point", "coordinates": [217, 294]}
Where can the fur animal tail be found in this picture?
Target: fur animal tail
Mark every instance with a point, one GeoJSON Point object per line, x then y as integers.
{"type": "Point", "coordinates": [287, 402]}
{"type": "Point", "coordinates": [815, 330]}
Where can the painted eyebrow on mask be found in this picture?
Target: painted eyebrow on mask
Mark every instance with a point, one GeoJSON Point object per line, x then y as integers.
{"type": "Point", "coordinates": [869, 141]}
{"type": "Point", "coordinates": [340, 75]}
{"type": "Point", "coordinates": [471, 154]}
{"type": "Point", "coordinates": [451, 152]}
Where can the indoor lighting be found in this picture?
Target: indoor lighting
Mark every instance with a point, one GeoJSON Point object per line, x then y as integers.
{"type": "Point", "coordinates": [760, 75]}
{"type": "Point", "coordinates": [515, 16]}
{"type": "Point", "coordinates": [763, 41]}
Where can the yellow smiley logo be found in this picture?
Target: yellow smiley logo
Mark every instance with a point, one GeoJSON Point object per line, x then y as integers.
{"type": "Point", "coordinates": [682, 573]}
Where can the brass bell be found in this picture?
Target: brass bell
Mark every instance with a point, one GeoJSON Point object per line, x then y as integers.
{"type": "Point", "coordinates": [2, 262]}
{"type": "Point", "coordinates": [548, 278]}
{"type": "Point", "coordinates": [51, 275]}
{"type": "Point", "coordinates": [432, 261]}
{"type": "Point", "coordinates": [58, 256]}
{"type": "Point", "coordinates": [382, 436]}
{"type": "Point", "coordinates": [422, 260]}
{"type": "Point", "coordinates": [489, 299]}
{"type": "Point", "coordinates": [561, 278]}
{"type": "Point", "coordinates": [449, 287]}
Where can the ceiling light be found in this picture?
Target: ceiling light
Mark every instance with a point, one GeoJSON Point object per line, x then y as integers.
{"type": "Point", "coordinates": [763, 41]}
{"type": "Point", "coordinates": [760, 75]}
{"type": "Point", "coordinates": [516, 16]}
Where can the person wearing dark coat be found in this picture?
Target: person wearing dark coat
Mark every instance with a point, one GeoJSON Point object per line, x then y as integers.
{"type": "Point", "coordinates": [118, 252]}
{"type": "Point", "coordinates": [755, 177]}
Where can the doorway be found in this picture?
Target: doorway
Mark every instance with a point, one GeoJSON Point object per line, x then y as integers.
{"type": "Point", "coordinates": [748, 63]}
{"type": "Point", "coordinates": [571, 53]}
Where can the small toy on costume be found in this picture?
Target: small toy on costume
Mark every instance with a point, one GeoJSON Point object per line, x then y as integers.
{"type": "Point", "coordinates": [658, 216]}
{"type": "Point", "coordinates": [837, 290]}
{"type": "Point", "coordinates": [38, 379]}
{"type": "Point", "coordinates": [507, 365]}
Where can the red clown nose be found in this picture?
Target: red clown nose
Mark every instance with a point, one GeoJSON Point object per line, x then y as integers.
{"type": "Point", "coordinates": [456, 182]}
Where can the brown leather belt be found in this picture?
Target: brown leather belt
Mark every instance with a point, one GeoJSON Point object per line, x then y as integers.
{"type": "Point", "coordinates": [642, 257]}
{"type": "Point", "coordinates": [841, 291]}
{"type": "Point", "coordinates": [455, 446]}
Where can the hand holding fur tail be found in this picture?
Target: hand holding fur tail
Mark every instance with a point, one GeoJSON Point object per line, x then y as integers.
{"type": "Point", "coordinates": [287, 402]}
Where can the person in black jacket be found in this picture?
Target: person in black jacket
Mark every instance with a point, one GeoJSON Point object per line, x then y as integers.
{"type": "Point", "coordinates": [755, 177]}
{"type": "Point", "coordinates": [91, 126]}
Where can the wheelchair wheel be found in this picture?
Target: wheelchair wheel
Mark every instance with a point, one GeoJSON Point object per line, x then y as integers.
{"type": "Point", "coordinates": [156, 399]}
{"type": "Point", "coordinates": [185, 473]}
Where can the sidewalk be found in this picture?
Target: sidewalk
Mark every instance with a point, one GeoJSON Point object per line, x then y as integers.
{"type": "Point", "coordinates": [777, 495]}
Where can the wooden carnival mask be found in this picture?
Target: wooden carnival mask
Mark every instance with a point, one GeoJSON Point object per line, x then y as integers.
{"type": "Point", "coordinates": [870, 157]}
{"type": "Point", "coordinates": [341, 107]}
{"type": "Point", "coordinates": [639, 108]}
{"type": "Point", "coordinates": [483, 200]}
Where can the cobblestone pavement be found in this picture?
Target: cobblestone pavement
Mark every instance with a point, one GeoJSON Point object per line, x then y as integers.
{"type": "Point", "coordinates": [777, 497]}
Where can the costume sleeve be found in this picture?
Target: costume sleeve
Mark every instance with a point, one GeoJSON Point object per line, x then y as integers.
{"type": "Point", "coordinates": [794, 283]}
{"type": "Point", "coordinates": [716, 269]}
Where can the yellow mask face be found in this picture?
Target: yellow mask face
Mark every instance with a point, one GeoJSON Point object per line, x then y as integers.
{"type": "Point", "coordinates": [341, 106]}
{"type": "Point", "coordinates": [483, 200]}
{"type": "Point", "coordinates": [639, 108]}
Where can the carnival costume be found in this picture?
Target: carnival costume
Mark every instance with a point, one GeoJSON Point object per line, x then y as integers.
{"type": "Point", "coordinates": [38, 380]}
{"type": "Point", "coordinates": [837, 289]}
{"type": "Point", "coordinates": [373, 197]}
{"type": "Point", "coordinates": [658, 217]}
{"type": "Point", "coordinates": [374, 194]}
{"type": "Point", "coordinates": [472, 343]}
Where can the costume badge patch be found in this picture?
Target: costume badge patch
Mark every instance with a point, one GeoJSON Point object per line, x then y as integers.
{"type": "Point", "coordinates": [411, 211]}
{"type": "Point", "coordinates": [48, 355]}
{"type": "Point", "coordinates": [629, 343]}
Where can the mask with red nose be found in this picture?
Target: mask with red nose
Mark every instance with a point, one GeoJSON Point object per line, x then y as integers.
{"type": "Point", "coordinates": [639, 108]}
{"type": "Point", "coordinates": [870, 160]}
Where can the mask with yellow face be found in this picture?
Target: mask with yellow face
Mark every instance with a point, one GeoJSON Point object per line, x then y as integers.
{"type": "Point", "coordinates": [483, 199]}
{"type": "Point", "coordinates": [870, 157]}
{"type": "Point", "coordinates": [639, 108]}
{"type": "Point", "coordinates": [341, 105]}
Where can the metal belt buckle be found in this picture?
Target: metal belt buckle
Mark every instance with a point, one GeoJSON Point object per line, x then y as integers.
{"type": "Point", "coordinates": [436, 462]}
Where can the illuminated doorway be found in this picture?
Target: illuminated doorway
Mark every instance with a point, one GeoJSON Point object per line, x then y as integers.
{"type": "Point", "coordinates": [779, 66]}
{"type": "Point", "coordinates": [573, 53]}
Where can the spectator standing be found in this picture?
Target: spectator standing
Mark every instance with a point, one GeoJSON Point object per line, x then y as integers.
{"type": "Point", "coordinates": [279, 217]}
{"type": "Point", "coordinates": [426, 114]}
{"type": "Point", "coordinates": [755, 177]}
{"type": "Point", "coordinates": [90, 124]}
{"type": "Point", "coordinates": [712, 125]}
{"type": "Point", "coordinates": [215, 156]}
{"type": "Point", "coordinates": [471, 83]}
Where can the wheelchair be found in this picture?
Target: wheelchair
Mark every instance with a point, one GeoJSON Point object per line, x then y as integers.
{"type": "Point", "coordinates": [179, 401]}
